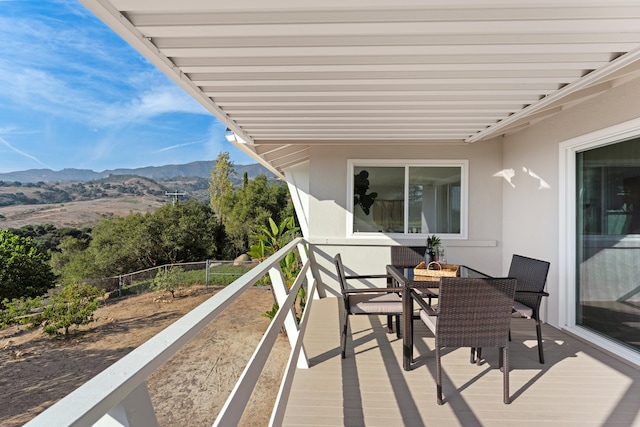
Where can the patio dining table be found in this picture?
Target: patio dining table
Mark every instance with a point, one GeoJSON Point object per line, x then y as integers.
{"type": "Point", "coordinates": [404, 278]}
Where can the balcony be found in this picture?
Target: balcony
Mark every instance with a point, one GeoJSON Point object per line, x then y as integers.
{"type": "Point", "coordinates": [578, 385]}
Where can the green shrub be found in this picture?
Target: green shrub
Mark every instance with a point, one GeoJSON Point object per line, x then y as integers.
{"type": "Point", "coordinates": [73, 305]}
{"type": "Point", "coordinates": [24, 270]}
{"type": "Point", "coordinates": [169, 279]}
{"type": "Point", "coordinates": [272, 313]}
{"type": "Point", "coordinates": [19, 311]}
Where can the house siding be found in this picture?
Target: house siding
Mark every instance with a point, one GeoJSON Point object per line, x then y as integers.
{"type": "Point", "coordinates": [328, 200]}
{"type": "Point", "coordinates": [531, 214]}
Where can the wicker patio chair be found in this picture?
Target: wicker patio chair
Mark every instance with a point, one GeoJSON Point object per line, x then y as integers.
{"type": "Point", "coordinates": [369, 301]}
{"type": "Point", "coordinates": [532, 277]}
{"type": "Point", "coordinates": [472, 313]}
{"type": "Point", "coordinates": [406, 257]}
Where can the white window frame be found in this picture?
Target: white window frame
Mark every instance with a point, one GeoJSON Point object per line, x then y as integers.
{"type": "Point", "coordinates": [463, 164]}
{"type": "Point", "coordinates": [567, 195]}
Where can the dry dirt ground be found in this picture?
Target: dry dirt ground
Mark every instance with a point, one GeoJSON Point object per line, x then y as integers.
{"type": "Point", "coordinates": [76, 214]}
{"type": "Point", "coordinates": [188, 390]}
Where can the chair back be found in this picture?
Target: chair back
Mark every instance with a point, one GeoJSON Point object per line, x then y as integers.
{"type": "Point", "coordinates": [342, 278]}
{"type": "Point", "coordinates": [407, 256]}
{"type": "Point", "coordinates": [474, 312]}
{"type": "Point", "coordinates": [531, 275]}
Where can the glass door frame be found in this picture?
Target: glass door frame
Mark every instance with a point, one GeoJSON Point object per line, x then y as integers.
{"type": "Point", "coordinates": [567, 231]}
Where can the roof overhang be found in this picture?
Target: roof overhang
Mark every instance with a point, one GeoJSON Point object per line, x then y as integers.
{"type": "Point", "coordinates": [284, 75]}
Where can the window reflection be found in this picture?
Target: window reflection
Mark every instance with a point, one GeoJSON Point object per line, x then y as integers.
{"type": "Point", "coordinates": [608, 241]}
{"type": "Point", "coordinates": [432, 201]}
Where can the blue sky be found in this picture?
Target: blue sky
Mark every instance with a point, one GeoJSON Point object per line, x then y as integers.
{"type": "Point", "coordinates": [73, 94]}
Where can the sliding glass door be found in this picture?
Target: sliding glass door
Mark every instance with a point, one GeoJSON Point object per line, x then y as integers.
{"type": "Point", "coordinates": [608, 241]}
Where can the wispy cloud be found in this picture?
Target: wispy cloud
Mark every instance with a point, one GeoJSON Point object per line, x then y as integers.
{"type": "Point", "coordinates": [80, 73]}
{"type": "Point", "coordinates": [147, 103]}
{"type": "Point", "coordinates": [173, 147]}
{"type": "Point", "coordinates": [90, 100]}
{"type": "Point", "coordinates": [22, 153]}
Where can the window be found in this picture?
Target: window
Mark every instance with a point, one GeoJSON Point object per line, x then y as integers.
{"type": "Point", "coordinates": [599, 246]}
{"type": "Point", "coordinates": [407, 197]}
{"type": "Point", "coordinates": [608, 240]}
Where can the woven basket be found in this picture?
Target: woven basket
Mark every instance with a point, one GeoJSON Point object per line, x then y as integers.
{"type": "Point", "coordinates": [437, 270]}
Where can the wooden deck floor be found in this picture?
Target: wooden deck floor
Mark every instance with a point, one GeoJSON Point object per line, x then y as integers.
{"type": "Point", "coordinates": [577, 386]}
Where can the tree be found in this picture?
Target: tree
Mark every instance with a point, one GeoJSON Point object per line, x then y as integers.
{"type": "Point", "coordinates": [174, 233]}
{"type": "Point", "coordinates": [47, 237]}
{"type": "Point", "coordinates": [120, 245]}
{"type": "Point", "coordinates": [169, 280]}
{"type": "Point", "coordinates": [73, 305]}
{"type": "Point", "coordinates": [185, 232]}
{"type": "Point", "coordinates": [221, 187]}
{"type": "Point", "coordinates": [71, 259]}
{"type": "Point", "coordinates": [252, 206]}
{"type": "Point", "coordinates": [24, 271]}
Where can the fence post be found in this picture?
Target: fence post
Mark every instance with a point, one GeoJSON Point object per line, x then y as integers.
{"type": "Point", "coordinates": [120, 285]}
{"type": "Point", "coordinates": [208, 264]}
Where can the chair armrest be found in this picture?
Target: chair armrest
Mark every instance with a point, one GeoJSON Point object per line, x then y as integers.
{"type": "Point", "coordinates": [430, 311]}
{"type": "Point", "coordinates": [370, 276]}
{"type": "Point", "coordinates": [373, 290]}
{"type": "Point", "coordinates": [423, 305]}
{"type": "Point", "coordinates": [532, 294]}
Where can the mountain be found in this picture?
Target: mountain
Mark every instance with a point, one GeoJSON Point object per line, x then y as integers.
{"type": "Point", "coordinates": [201, 169]}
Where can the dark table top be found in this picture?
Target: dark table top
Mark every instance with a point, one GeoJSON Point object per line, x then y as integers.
{"type": "Point", "coordinates": [406, 277]}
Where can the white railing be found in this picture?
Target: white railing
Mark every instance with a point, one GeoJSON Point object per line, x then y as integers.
{"type": "Point", "coordinates": [118, 396]}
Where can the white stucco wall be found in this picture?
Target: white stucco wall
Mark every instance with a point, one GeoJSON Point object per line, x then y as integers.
{"type": "Point", "coordinates": [531, 211]}
{"type": "Point", "coordinates": [298, 183]}
{"type": "Point", "coordinates": [328, 198]}
{"type": "Point", "coordinates": [516, 213]}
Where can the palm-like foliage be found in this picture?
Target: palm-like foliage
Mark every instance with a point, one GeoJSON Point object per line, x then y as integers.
{"type": "Point", "coordinates": [270, 239]}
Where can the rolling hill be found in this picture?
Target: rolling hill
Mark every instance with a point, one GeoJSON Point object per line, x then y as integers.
{"type": "Point", "coordinates": [79, 198]}
{"type": "Point", "coordinates": [201, 169]}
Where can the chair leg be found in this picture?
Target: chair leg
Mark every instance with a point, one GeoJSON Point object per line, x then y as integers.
{"type": "Point", "coordinates": [539, 333]}
{"type": "Point", "coordinates": [389, 323]}
{"type": "Point", "coordinates": [476, 355]}
{"type": "Point", "coordinates": [398, 326]}
{"type": "Point", "coordinates": [438, 376]}
{"type": "Point", "coordinates": [505, 374]}
{"type": "Point", "coordinates": [344, 335]}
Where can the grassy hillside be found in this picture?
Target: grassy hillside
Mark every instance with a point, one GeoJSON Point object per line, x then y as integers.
{"type": "Point", "coordinates": [79, 204]}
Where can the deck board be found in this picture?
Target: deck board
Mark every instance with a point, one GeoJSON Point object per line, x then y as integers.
{"type": "Point", "coordinates": [577, 386]}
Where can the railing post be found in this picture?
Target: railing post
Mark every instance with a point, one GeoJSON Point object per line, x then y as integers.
{"type": "Point", "coordinates": [281, 290]}
{"type": "Point", "coordinates": [136, 410]}
{"type": "Point", "coordinates": [207, 266]}
{"type": "Point", "coordinates": [304, 258]}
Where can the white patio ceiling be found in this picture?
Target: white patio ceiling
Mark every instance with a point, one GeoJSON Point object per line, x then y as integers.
{"type": "Point", "coordinates": [287, 74]}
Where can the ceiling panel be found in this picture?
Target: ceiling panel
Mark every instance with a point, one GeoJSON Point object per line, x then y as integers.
{"type": "Point", "coordinates": [284, 75]}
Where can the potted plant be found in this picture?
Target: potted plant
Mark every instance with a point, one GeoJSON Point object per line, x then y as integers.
{"type": "Point", "coordinates": [433, 250]}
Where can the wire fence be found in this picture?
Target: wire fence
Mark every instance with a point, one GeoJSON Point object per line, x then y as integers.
{"type": "Point", "coordinates": [209, 273]}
